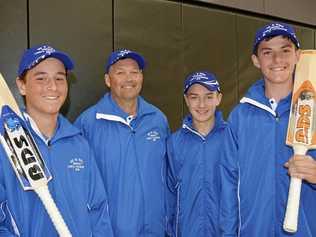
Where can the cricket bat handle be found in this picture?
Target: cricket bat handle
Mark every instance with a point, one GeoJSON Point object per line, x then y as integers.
{"type": "Point", "coordinates": [53, 211]}
{"type": "Point", "coordinates": [293, 202]}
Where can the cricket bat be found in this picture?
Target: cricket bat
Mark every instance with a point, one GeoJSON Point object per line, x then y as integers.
{"type": "Point", "coordinates": [301, 133]}
{"type": "Point", "coordinates": [25, 157]}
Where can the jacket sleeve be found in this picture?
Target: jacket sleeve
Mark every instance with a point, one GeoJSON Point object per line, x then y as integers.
{"type": "Point", "coordinates": [4, 220]}
{"type": "Point", "coordinates": [4, 228]}
{"type": "Point", "coordinates": [98, 203]}
{"type": "Point", "coordinates": [312, 153]}
{"type": "Point", "coordinates": [171, 191]}
{"type": "Point", "coordinates": [229, 207]}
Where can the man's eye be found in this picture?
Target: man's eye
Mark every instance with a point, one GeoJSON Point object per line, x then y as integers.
{"type": "Point", "coordinates": [266, 53]}
{"type": "Point", "coordinates": [60, 78]}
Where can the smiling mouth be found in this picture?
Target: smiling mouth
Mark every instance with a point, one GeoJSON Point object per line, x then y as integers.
{"type": "Point", "coordinates": [128, 87]}
{"type": "Point", "coordinates": [278, 69]}
{"type": "Point", "coordinates": [51, 97]}
{"type": "Point", "coordinates": [202, 112]}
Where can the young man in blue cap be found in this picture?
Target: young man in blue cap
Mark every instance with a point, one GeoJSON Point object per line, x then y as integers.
{"type": "Point", "coordinates": [76, 186]}
{"type": "Point", "coordinates": [193, 155]}
{"type": "Point", "coordinates": [257, 164]}
{"type": "Point", "coordinates": [129, 138]}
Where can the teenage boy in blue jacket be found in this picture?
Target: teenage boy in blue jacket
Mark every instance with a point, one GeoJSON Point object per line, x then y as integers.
{"type": "Point", "coordinates": [193, 155]}
{"type": "Point", "coordinates": [76, 187]}
{"type": "Point", "coordinates": [129, 137]}
{"type": "Point", "coordinates": [257, 164]}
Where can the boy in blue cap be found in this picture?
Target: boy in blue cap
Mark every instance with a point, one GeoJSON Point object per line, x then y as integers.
{"type": "Point", "coordinates": [129, 137]}
{"type": "Point", "coordinates": [76, 186]}
{"type": "Point", "coordinates": [257, 164]}
{"type": "Point", "coordinates": [193, 154]}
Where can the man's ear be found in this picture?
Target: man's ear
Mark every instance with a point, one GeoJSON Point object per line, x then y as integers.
{"type": "Point", "coordinates": [107, 80]}
{"type": "Point", "coordinates": [219, 98]}
{"type": "Point", "coordinates": [21, 85]}
{"type": "Point", "coordinates": [186, 100]}
{"type": "Point", "coordinates": [298, 54]}
{"type": "Point", "coordinates": [255, 61]}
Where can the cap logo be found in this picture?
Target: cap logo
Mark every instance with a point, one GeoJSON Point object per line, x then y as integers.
{"type": "Point", "coordinates": [198, 76]}
{"type": "Point", "coordinates": [122, 53]}
{"type": "Point", "coordinates": [211, 83]}
{"type": "Point", "coordinates": [273, 27]}
{"type": "Point", "coordinates": [45, 49]}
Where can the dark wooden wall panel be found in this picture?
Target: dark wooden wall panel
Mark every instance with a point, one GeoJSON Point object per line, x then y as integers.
{"type": "Point", "coordinates": [84, 30]}
{"type": "Point", "coordinates": [13, 39]}
{"type": "Point", "coordinates": [211, 46]}
{"type": "Point", "coordinates": [153, 28]}
{"type": "Point", "coordinates": [247, 73]}
{"type": "Point", "coordinates": [175, 38]}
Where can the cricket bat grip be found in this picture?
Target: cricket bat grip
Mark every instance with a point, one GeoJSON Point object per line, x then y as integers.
{"type": "Point", "coordinates": [53, 211]}
{"type": "Point", "coordinates": [293, 202]}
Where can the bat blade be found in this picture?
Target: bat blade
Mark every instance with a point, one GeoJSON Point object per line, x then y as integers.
{"type": "Point", "coordinates": [22, 152]}
{"type": "Point", "coordinates": [301, 133]}
{"type": "Point", "coordinates": [25, 157]}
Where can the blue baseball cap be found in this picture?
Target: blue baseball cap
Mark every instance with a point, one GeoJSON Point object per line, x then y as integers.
{"type": "Point", "coordinates": [35, 55]}
{"type": "Point", "coordinates": [275, 29]}
{"type": "Point", "coordinates": [122, 54]}
{"type": "Point", "coordinates": [206, 79]}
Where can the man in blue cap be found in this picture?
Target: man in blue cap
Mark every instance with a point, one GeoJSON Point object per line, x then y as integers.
{"type": "Point", "coordinates": [257, 164]}
{"type": "Point", "coordinates": [129, 138]}
{"type": "Point", "coordinates": [193, 155]}
{"type": "Point", "coordinates": [76, 186]}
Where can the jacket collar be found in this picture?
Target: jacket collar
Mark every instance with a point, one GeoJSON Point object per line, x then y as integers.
{"type": "Point", "coordinates": [108, 109]}
{"type": "Point", "coordinates": [256, 96]}
{"type": "Point", "coordinates": [63, 129]}
{"type": "Point", "coordinates": [187, 124]}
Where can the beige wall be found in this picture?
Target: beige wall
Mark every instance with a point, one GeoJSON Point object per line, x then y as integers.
{"type": "Point", "coordinates": [302, 11]}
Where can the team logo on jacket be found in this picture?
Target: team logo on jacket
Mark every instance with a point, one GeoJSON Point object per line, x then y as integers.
{"type": "Point", "coordinates": [153, 136]}
{"type": "Point", "coordinates": [76, 164]}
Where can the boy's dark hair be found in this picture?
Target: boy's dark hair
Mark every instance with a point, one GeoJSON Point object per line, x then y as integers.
{"type": "Point", "coordinates": [271, 37]}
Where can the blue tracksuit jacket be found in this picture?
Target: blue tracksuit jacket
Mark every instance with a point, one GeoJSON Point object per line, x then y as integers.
{"type": "Point", "coordinates": [255, 182]}
{"type": "Point", "coordinates": [194, 180]}
{"type": "Point", "coordinates": [130, 153]}
{"type": "Point", "coordinates": [76, 187]}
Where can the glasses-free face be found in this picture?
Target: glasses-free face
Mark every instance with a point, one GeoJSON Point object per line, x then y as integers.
{"type": "Point", "coordinates": [45, 88]}
{"type": "Point", "coordinates": [125, 80]}
{"type": "Point", "coordinates": [202, 103]}
{"type": "Point", "coordinates": [276, 58]}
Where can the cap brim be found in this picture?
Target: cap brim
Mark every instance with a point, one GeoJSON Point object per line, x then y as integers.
{"type": "Point", "coordinates": [207, 86]}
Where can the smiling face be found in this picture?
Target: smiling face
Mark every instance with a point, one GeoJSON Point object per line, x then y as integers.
{"type": "Point", "coordinates": [125, 80]}
{"type": "Point", "coordinates": [45, 88]}
{"type": "Point", "coordinates": [276, 58]}
{"type": "Point", "coordinates": [202, 103]}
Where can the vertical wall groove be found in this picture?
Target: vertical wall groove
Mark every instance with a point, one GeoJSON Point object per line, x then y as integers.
{"type": "Point", "coordinates": [237, 60]}
{"type": "Point", "coordinates": [28, 23]}
{"type": "Point", "coordinates": [113, 25]}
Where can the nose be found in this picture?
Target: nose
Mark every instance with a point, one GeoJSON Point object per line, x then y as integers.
{"type": "Point", "coordinates": [201, 102]}
{"type": "Point", "coordinates": [277, 57]}
{"type": "Point", "coordinates": [51, 84]}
